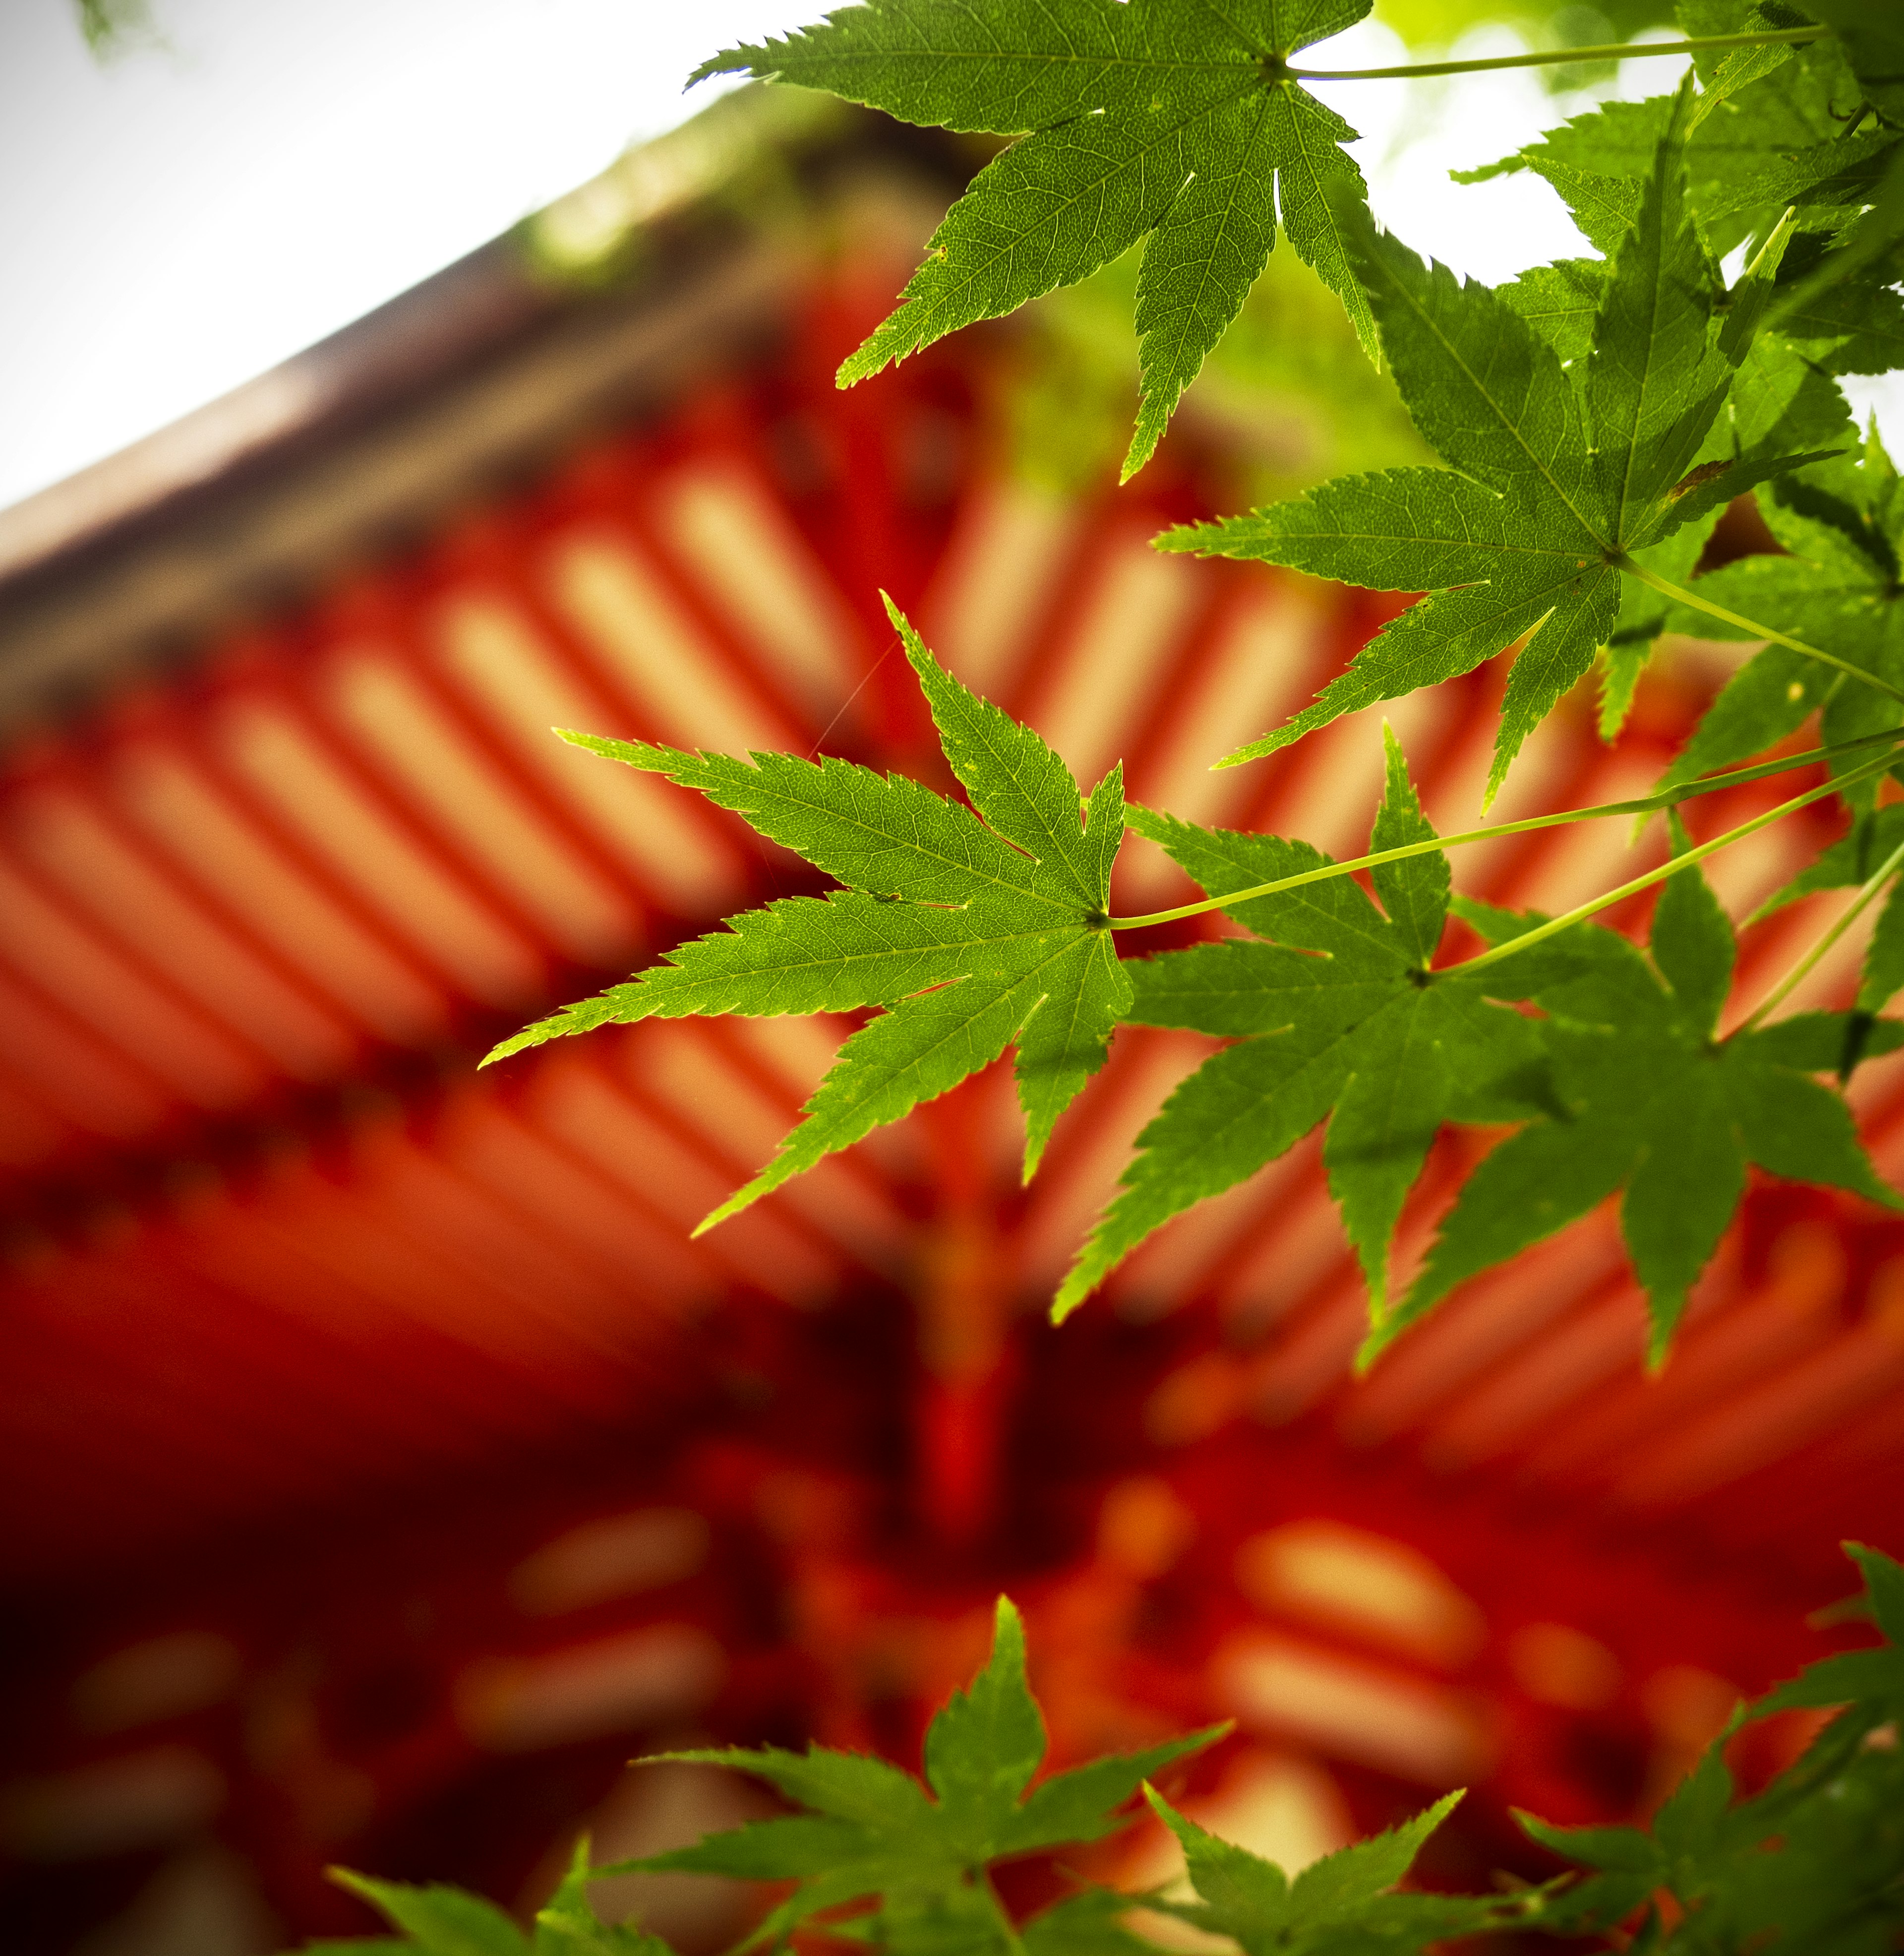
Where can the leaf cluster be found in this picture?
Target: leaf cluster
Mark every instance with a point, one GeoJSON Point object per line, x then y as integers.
{"type": "Point", "coordinates": [1591, 418]}
{"type": "Point", "coordinates": [1335, 1007]}
{"type": "Point", "coordinates": [1814, 1861]}
{"type": "Point", "coordinates": [1563, 473]}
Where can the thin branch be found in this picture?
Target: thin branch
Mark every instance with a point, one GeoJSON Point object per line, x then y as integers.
{"type": "Point", "coordinates": [1751, 626]}
{"type": "Point", "coordinates": [1609, 898]}
{"type": "Point", "coordinates": [1789, 983]}
{"type": "Point", "coordinates": [1646, 805]}
{"type": "Point", "coordinates": [1559, 57]}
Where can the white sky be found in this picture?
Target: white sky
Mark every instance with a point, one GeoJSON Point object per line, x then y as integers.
{"type": "Point", "coordinates": [181, 220]}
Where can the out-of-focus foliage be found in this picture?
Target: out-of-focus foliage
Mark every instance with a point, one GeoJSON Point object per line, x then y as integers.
{"type": "Point", "coordinates": [737, 156]}
{"type": "Point", "coordinates": [1287, 388]}
{"type": "Point", "coordinates": [926, 1851]}
{"type": "Point", "coordinates": [1439, 24]}
{"type": "Point", "coordinates": [115, 28]}
{"type": "Point", "coordinates": [1810, 1865]}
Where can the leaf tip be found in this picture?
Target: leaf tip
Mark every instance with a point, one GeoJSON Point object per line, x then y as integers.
{"type": "Point", "coordinates": [504, 1048]}
{"type": "Point", "coordinates": [1256, 750]}
{"type": "Point", "coordinates": [741, 1198]}
{"type": "Point", "coordinates": [917, 651]}
{"type": "Point", "coordinates": [728, 60]}
{"type": "Point", "coordinates": [1144, 439]}
{"type": "Point", "coordinates": [872, 355]}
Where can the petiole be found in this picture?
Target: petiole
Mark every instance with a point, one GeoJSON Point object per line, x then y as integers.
{"type": "Point", "coordinates": [1606, 901]}
{"type": "Point", "coordinates": [1645, 805]}
{"type": "Point", "coordinates": [1560, 57]}
{"type": "Point", "coordinates": [1653, 582]}
{"type": "Point", "coordinates": [1866, 896]}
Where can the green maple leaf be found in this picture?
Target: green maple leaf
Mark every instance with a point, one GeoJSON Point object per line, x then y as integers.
{"type": "Point", "coordinates": [1171, 121]}
{"type": "Point", "coordinates": [873, 1830]}
{"type": "Point", "coordinates": [1847, 326]}
{"type": "Point", "coordinates": [566, 1926]}
{"type": "Point", "coordinates": [437, 1919]}
{"type": "Point", "coordinates": [972, 931]}
{"type": "Point", "coordinates": [1657, 1107]}
{"type": "Point", "coordinates": [1841, 524]}
{"type": "Point", "coordinates": [1694, 1835]}
{"type": "Point", "coordinates": [964, 1921]}
{"type": "Point", "coordinates": [1089, 1924]}
{"type": "Point", "coordinates": [443, 1921]}
{"type": "Point", "coordinates": [1336, 1015]}
{"type": "Point", "coordinates": [1558, 473]}
{"type": "Point", "coordinates": [1344, 1904]}
{"type": "Point", "coordinates": [1723, 72]}
{"type": "Point", "coordinates": [1813, 1862]}
{"type": "Point", "coordinates": [1871, 1680]}
{"type": "Point", "coordinates": [1873, 41]}
{"type": "Point", "coordinates": [1748, 155]}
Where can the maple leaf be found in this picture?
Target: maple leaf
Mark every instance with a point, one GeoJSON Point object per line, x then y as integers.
{"type": "Point", "coordinates": [1723, 72]}
{"type": "Point", "coordinates": [1751, 150]}
{"type": "Point", "coordinates": [1809, 1863]}
{"type": "Point", "coordinates": [443, 1921]}
{"type": "Point", "coordinates": [964, 1921]}
{"type": "Point", "coordinates": [1656, 1106]}
{"type": "Point", "coordinates": [1871, 1680]}
{"type": "Point", "coordinates": [566, 1926]}
{"type": "Point", "coordinates": [1841, 526]}
{"type": "Point", "coordinates": [1336, 1015]}
{"type": "Point", "coordinates": [1172, 120]}
{"type": "Point", "coordinates": [1558, 475]}
{"type": "Point", "coordinates": [972, 931]}
{"type": "Point", "coordinates": [1787, 141]}
{"type": "Point", "coordinates": [1344, 1902]}
{"type": "Point", "coordinates": [1873, 41]}
{"type": "Point", "coordinates": [873, 1830]}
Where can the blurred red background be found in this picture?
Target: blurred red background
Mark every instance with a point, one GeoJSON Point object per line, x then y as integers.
{"type": "Point", "coordinates": [382, 1465]}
